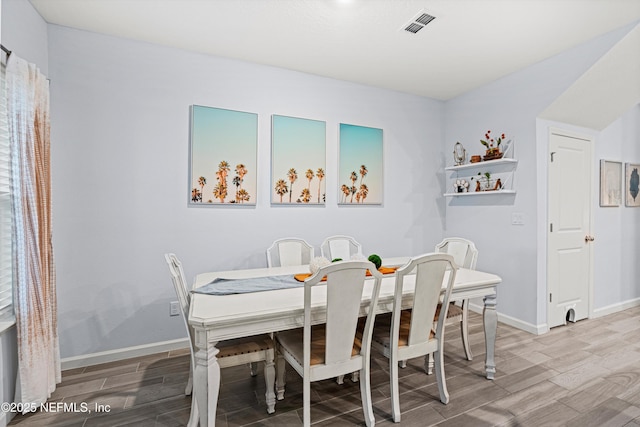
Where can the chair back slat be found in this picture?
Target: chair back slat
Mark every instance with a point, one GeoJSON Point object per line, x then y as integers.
{"type": "Point", "coordinates": [289, 251]}
{"type": "Point", "coordinates": [343, 247]}
{"type": "Point", "coordinates": [344, 290]}
{"type": "Point", "coordinates": [179, 283]}
{"type": "Point", "coordinates": [429, 277]}
{"type": "Point", "coordinates": [182, 292]}
{"type": "Point", "coordinates": [433, 274]}
{"type": "Point", "coordinates": [344, 294]}
{"type": "Point", "coordinates": [464, 251]}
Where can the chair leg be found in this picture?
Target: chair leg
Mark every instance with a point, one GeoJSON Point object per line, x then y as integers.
{"type": "Point", "coordinates": [428, 363]}
{"type": "Point", "coordinates": [464, 329]}
{"type": "Point", "coordinates": [340, 379]}
{"type": "Point", "coordinates": [189, 388]}
{"type": "Point", "coordinates": [280, 375]}
{"type": "Point", "coordinates": [253, 369]}
{"type": "Point", "coordinates": [403, 364]}
{"type": "Point", "coordinates": [194, 416]}
{"type": "Point", "coordinates": [440, 378]}
{"type": "Point", "coordinates": [395, 390]}
{"type": "Point", "coordinates": [269, 379]}
{"type": "Point", "coordinates": [306, 402]}
{"type": "Point", "coordinates": [365, 393]}
{"type": "Point", "coordinates": [355, 376]}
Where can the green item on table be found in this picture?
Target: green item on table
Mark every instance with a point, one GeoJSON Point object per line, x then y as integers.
{"type": "Point", "coordinates": [376, 260]}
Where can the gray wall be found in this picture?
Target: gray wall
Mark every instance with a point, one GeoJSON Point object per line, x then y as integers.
{"type": "Point", "coordinates": [120, 127]}
{"type": "Point", "coordinates": [511, 105]}
{"type": "Point", "coordinates": [617, 229]}
{"type": "Point", "coordinates": [120, 124]}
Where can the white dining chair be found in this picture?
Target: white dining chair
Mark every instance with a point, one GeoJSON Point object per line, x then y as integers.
{"type": "Point", "coordinates": [405, 334]}
{"type": "Point", "coordinates": [340, 247]}
{"type": "Point", "coordinates": [326, 350]}
{"type": "Point", "coordinates": [235, 352]}
{"type": "Point", "coordinates": [465, 255]}
{"type": "Point", "coordinates": [289, 251]}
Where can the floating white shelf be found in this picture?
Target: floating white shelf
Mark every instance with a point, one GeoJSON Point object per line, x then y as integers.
{"type": "Point", "coordinates": [503, 168]}
{"type": "Point", "coordinates": [480, 193]}
{"type": "Point", "coordinates": [482, 165]}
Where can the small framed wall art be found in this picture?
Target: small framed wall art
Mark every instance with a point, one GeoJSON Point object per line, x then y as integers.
{"type": "Point", "coordinates": [610, 183]}
{"type": "Point", "coordinates": [632, 184]}
{"type": "Point", "coordinates": [360, 169]}
{"type": "Point", "coordinates": [223, 157]}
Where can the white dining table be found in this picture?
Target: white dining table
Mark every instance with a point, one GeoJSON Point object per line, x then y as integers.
{"type": "Point", "coordinates": [216, 318]}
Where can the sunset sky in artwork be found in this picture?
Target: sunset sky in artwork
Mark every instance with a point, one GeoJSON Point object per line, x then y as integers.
{"type": "Point", "coordinates": [300, 144]}
{"type": "Point", "coordinates": [360, 145]}
{"type": "Point", "coordinates": [217, 135]}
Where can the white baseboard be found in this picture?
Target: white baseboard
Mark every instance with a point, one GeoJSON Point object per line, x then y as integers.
{"type": "Point", "coordinates": [512, 321]}
{"type": "Point", "coordinates": [543, 328]}
{"type": "Point", "coordinates": [147, 349]}
{"type": "Point", "coordinates": [122, 353]}
{"type": "Point", "coordinates": [614, 308]}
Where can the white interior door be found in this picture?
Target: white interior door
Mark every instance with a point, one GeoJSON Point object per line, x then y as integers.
{"type": "Point", "coordinates": [569, 248]}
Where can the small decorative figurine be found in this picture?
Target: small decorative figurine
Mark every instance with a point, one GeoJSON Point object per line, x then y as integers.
{"type": "Point", "coordinates": [461, 186]}
{"type": "Point", "coordinates": [459, 154]}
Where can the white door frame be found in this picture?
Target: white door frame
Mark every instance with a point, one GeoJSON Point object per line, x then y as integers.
{"type": "Point", "coordinates": [594, 187]}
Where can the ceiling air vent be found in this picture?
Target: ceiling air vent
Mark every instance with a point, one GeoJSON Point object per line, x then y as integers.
{"type": "Point", "coordinates": [418, 22]}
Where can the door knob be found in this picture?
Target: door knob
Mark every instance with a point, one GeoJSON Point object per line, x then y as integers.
{"type": "Point", "coordinates": [588, 239]}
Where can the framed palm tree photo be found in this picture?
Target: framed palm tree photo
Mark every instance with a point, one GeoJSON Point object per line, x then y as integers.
{"type": "Point", "coordinates": [223, 157]}
{"type": "Point", "coordinates": [632, 184]}
{"type": "Point", "coordinates": [360, 169]}
{"type": "Point", "coordinates": [298, 161]}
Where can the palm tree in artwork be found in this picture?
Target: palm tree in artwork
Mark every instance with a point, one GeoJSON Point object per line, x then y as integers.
{"type": "Point", "coordinates": [293, 176]}
{"type": "Point", "coordinates": [202, 181]}
{"type": "Point", "coordinates": [345, 191]}
{"type": "Point", "coordinates": [281, 188]}
{"type": "Point", "coordinates": [320, 175]}
{"type": "Point", "coordinates": [237, 182]}
{"type": "Point", "coordinates": [363, 173]}
{"type": "Point", "coordinates": [243, 196]}
{"type": "Point", "coordinates": [224, 168]}
{"type": "Point", "coordinates": [241, 171]}
{"type": "Point", "coordinates": [305, 196]}
{"type": "Point", "coordinates": [364, 192]}
{"type": "Point", "coordinates": [220, 192]}
{"type": "Point", "coordinates": [309, 174]}
{"type": "Point", "coordinates": [353, 178]}
{"type": "Point", "coordinates": [196, 195]}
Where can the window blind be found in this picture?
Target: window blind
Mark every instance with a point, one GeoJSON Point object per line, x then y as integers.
{"type": "Point", "coordinates": [6, 276]}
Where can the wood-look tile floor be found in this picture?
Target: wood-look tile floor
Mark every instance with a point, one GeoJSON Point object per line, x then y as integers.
{"type": "Point", "coordinates": [583, 374]}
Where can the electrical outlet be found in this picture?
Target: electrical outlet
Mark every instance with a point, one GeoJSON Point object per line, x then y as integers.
{"type": "Point", "coordinates": [517, 218]}
{"type": "Point", "coordinates": [174, 308]}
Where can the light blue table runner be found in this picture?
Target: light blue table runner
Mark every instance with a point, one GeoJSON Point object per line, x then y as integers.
{"type": "Point", "coordinates": [243, 286]}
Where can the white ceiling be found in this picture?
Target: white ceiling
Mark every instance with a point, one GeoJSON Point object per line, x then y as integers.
{"type": "Point", "coordinates": [470, 43]}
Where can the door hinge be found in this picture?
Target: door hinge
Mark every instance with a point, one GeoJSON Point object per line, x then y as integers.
{"type": "Point", "coordinates": [551, 228]}
{"type": "Point", "coordinates": [550, 297]}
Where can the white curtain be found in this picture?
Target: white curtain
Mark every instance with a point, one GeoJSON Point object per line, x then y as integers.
{"type": "Point", "coordinates": [34, 275]}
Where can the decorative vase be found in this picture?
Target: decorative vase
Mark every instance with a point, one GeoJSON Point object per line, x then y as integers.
{"type": "Point", "coordinates": [493, 154]}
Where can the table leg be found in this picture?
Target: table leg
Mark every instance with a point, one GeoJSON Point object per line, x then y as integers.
{"type": "Point", "coordinates": [490, 317]}
{"type": "Point", "coordinates": [206, 380]}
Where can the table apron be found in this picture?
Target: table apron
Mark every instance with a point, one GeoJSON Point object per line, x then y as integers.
{"type": "Point", "coordinates": [291, 319]}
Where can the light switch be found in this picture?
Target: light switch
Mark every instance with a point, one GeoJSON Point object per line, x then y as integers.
{"type": "Point", "coordinates": [517, 218]}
